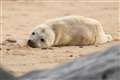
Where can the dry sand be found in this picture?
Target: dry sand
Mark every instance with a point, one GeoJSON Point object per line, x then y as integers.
{"type": "Point", "coordinates": [19, 17]}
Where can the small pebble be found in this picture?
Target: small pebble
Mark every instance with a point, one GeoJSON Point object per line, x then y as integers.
{"type": "Point", "coordinates": [96, 46]}
{"type": "Point", "coordinates": [22, 43]}
{"type": "Point", "coordinates": [50, 48]}
{"type": "Point", "coordinates": [3, 43]}
{"type": "Point", "coordinates": [81, 55]}
{"type": "Point", "coordinates": [71, 56]}
{"type": "Point", "coordinates": [44, 48]}
{"type": "Point", "coordinates": [68, 51]}
{"type": "Point", "coordinates": [11, 40]}
{"type": "Point", "coordinates": [8, 35]}
{"type": "Point", "coordinates": [81, 46]}
{"type": "Point", "coordinates": [8, 49]}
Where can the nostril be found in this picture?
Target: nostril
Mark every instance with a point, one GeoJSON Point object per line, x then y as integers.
{"type": "Point", "coordinates": [30, 42]}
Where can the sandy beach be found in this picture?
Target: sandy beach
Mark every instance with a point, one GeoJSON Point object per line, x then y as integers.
{"type": "Point", "coordinates": [19, 17]}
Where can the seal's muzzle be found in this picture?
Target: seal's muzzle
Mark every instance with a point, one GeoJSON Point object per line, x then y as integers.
{"type": "Point", "coordinates": [31, 44]}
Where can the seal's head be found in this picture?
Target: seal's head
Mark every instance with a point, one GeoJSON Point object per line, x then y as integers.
{"type": "Point", "coordinates": [41, 37]}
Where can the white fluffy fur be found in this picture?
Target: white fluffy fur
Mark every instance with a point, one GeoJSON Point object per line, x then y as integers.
{"type": "Point", "coordinates": [69, 30]}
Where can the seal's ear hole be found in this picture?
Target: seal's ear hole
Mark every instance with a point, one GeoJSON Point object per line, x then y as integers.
{"type": "Point", "coordinates": [43, 30]}
{"type": "Point", "coordinates": [42, 40]}
{"type": "Point", "coordinates": [33, 33]}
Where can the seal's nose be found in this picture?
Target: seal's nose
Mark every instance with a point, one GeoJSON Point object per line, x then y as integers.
{"type": "Point", "coordinates": [31, 43]}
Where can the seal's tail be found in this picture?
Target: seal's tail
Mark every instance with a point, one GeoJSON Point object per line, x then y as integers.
{"type": "Point", "coordinates": [115, 36]}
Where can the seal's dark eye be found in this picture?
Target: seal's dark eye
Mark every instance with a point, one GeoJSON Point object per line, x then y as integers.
{"type": "Point", "coordinates": [42, 40]}
{"type": "Point", "coordinates": [33, 33]}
